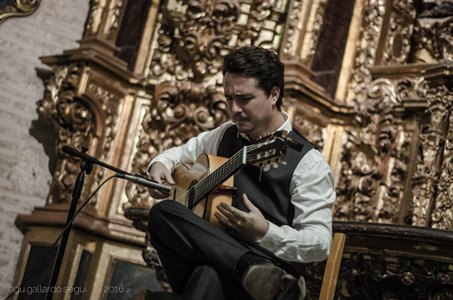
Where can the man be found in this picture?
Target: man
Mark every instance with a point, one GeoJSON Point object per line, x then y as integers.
{"type": "Point", "coordinates": [278, 219]}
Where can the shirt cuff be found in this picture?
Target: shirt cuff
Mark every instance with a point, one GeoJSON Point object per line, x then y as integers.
{"type": "Point", "coordinates": [166, 162]}
{"type": "Point", "coordinates": [271, 240]}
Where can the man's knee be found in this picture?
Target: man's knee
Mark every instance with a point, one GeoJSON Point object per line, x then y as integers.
{"type": "Point", "coordinates": [161, 208]}
{"type": "Point", "coordinates": [156, 213]}
{"type": "Point", "coordinates": [162, 211]}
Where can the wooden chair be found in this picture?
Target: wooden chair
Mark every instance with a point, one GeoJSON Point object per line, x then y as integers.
{"type": "Point", "coordinates": [332, 269]}
{"type": "Point", "coordinates": [329, 281]}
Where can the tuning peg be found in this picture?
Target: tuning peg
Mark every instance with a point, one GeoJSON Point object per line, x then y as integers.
{"type": "Point", "coordinates": [266, 167]}
{"type": "Point", "coordinates": [274, 162]}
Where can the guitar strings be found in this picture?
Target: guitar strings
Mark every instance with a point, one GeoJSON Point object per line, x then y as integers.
{"type": "Point", "coordinates": [212, 180]}
{"type": "Point", "coordinates": [217, 175]}
{"type": "Point", "coordinates": [226, 169]}
{"type": "Point", "coordinates": [193, 194]}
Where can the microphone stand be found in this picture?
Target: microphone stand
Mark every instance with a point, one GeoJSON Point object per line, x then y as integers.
{"type": "Point", "coordinates": [86, 166]}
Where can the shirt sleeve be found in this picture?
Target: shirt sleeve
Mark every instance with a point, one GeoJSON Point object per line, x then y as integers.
{"type": "Point", "coordinates": [206, 142]}
{"type": "Point", "coordinates": [313, 195]}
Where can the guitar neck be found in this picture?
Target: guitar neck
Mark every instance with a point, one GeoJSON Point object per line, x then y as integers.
{"type": "Point", "coordinates": [213, 180]}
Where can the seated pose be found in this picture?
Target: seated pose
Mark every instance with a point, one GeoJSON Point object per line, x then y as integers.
{"type": "Point", "coordinates": [280, 213]}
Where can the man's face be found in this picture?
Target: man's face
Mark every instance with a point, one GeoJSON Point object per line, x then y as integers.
{"type": "Point", "coordinates": [250, 108]}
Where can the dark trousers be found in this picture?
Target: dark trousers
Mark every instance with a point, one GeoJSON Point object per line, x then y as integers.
{"type": "Point", "coordinates": [200, 259]}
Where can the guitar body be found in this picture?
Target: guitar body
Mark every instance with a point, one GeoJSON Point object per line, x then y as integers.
{"type": "Point", "coordinates": [186, 176]}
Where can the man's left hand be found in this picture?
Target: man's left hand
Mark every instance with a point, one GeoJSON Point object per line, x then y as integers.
{"type": "Point", "coordinates": [249, 225]}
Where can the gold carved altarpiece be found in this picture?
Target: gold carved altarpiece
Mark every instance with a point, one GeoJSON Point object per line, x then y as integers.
{"type": "Point", "coordinates": [147, 76]}
{"type": "Point", "coordinates": [17, 8]}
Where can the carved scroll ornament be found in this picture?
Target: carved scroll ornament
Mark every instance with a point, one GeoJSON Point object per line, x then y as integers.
{"type": "Point", "coordinates": [433, 33]}
{"type": "Point", "coordinates": [88, 120]}
{"type": "Point", "coordinates": [73, 122]}
{"type": "Point", "coordinates": [191, 45]}
{"type": "Point", "coordinates": [194, 35]}
{"type": "Point", "coordinates": [17, 8]}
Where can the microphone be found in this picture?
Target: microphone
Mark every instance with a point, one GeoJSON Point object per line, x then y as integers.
{"type": "Point", "coordinates": [145, 182]}
{"type": "Point", "coordinates": [119, 173]}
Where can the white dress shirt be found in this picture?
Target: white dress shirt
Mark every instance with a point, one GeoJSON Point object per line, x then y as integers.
{"type": "Point", "coordinates": [312, 194]}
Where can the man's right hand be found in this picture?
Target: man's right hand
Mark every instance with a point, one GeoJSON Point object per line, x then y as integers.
{"type": "Point", "coordinates": [159, 173]}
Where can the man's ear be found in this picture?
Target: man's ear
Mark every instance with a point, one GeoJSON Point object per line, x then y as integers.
{"type": "Point", "coordinates": [275, 94]}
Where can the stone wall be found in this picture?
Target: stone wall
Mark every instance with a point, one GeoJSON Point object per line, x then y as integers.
{"type": "Point", "coordinates": [25, 168]}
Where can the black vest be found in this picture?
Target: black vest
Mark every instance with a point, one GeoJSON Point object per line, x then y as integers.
{"type": "Point", "coordinates": [269, 191]}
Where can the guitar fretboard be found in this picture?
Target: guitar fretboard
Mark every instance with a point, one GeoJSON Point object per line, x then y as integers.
{"type": "Point", "coordinates": [213, 180]}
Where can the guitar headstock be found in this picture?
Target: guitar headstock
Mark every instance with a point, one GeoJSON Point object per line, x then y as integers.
{"type": "Point", "coordinates": [269, 151]}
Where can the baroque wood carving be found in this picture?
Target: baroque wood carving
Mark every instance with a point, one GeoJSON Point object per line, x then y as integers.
{"type": "Point", "coordinates": [17, 8]}
{"type": "Point", "coordinates": [94, 17]}
{"type": "Point", "coordinates": [435, 189]}
{"type": "Point", "coordinates": [104, 19]}
{"type": "Point", "coordinates": [375, 156]}
{"type": "Point", "coordinates": [74, 124]}
{"type": "Point", "coordinates": [81, 120]}
{"type": "Point", "coordinates": [442, 215]}
{"type": "Point", "coordinates": [310, 130]}
{"type": "Point", "coordinates": [433, 33]}
{"type": "Point", "coordinates": [366, 47]}
{"type": "Point", "coordinates": [397, 44]}
{"type": "Point", "coordinates": [397, 116]}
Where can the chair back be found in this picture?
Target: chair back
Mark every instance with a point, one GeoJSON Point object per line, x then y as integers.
{"type": "Point", "coordinates": [332, 269]}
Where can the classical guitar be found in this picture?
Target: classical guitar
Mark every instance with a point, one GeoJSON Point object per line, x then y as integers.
{"type": "Point", "coordinates": [209, 181]}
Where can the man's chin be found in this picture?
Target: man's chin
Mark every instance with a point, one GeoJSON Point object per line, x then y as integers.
{"type": "Point", "coordinates": [243, 128]}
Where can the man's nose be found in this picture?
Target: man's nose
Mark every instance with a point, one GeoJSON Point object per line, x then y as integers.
{"type": "Point", "coordinates": [235, 107]}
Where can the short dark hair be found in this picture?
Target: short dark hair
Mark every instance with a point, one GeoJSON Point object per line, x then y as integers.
{"type": "Point", "coordinates": [259, 63]}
